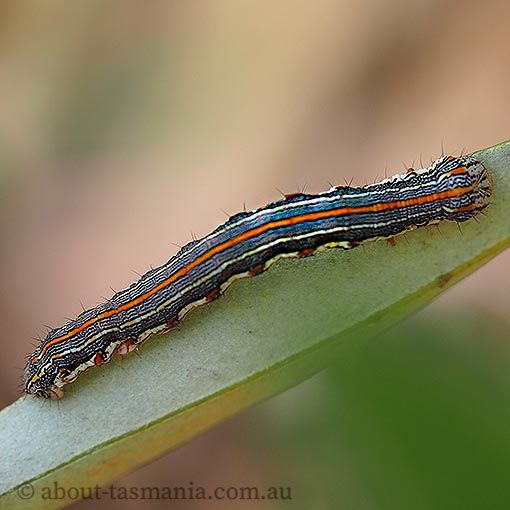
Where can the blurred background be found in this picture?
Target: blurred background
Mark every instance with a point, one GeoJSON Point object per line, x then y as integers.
{"type": "Point", "coordinates": [126, 127]}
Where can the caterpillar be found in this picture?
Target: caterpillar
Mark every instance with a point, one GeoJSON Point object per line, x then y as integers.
{"type": "Point", "coordinates": [452, 188]}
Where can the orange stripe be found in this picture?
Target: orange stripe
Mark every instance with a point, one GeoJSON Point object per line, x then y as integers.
{"type": "Point", "coordinates": [459, 170]}
{"type": "Point", "coordinates": [253, 233]}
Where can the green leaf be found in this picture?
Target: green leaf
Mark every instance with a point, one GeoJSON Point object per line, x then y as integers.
{"type": "Point", "coordinates": [266, 334]}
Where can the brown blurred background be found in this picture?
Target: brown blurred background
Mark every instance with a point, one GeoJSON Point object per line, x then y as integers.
{"type": "Point", "coordinates": [127, 126]}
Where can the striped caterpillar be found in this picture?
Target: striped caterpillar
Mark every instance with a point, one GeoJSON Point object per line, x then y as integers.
{"type": "Point", "coordinates": [452, 188]}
